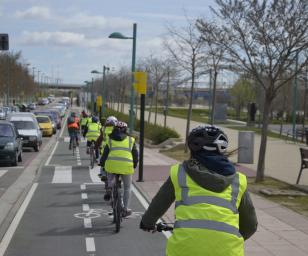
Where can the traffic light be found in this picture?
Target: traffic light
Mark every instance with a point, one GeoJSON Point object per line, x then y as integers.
{"type": "Point", "coordinates": [4, 42]}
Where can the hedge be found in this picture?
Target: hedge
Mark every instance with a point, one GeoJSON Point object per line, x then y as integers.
{"type": "Point", "coordinates": [156, 133]}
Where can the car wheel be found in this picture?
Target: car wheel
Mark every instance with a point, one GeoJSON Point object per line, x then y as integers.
{"type": "Point", "coordinates": [20, 157]}
{"type": "Point", "coordinates": [14, 163]}
{"type": "Point", "coordinates": [37, 147]}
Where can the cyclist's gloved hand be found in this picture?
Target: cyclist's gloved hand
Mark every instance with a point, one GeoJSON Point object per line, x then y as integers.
{"type": "Point", "coordinates": [146, 228]}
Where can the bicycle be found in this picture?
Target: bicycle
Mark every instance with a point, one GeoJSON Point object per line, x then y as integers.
{"type": "Point", "coordinates": [116, 202]}
{"type": "Point", "coordinates": [162, 226]}
{"type": "Point", "coordinates": [74, 144]}
{"type": "Point", "coordinates": [92, 154]}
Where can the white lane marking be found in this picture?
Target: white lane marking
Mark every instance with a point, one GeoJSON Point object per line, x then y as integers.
{"type": "Point", "coordinates": [63, 126]}
{"type": "Point", "coordinates": [2, 172]}
{"type": "Point", "coordinates": [84, 196]}
{"type": "Point", "coordinates": [145, 204]}
{"type": "Point", "coordinates": [85, 207]}
{"type": "Point", "coordinates": [90, 244]}
{"type": "Point", "coordinates": [93, 174]}
{"type": "Point", "coordinates": [82, 186]}
{"type": "Point", "coordinates": [67, 139]}
{"type": "Point", "coordinates": [62, 174]}
{"type": "Point", "coordinates": [87, 223]}
{"type": "Point", "coordinates": [78, 156]}
{"type": "Point", "coordinates": [10, 232]}
{"type": "Point", "coordinates": [51, 155]}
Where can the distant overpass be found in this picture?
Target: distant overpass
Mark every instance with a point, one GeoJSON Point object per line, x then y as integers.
{"type": "Point", "coordinates": [62, 86]}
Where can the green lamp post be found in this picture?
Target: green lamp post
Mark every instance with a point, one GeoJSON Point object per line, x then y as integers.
{"type": "Point", "coordinates": [117, 35]}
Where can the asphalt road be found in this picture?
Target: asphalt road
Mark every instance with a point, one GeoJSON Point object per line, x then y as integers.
{"type": "Point", "coordinates": [65, 214]}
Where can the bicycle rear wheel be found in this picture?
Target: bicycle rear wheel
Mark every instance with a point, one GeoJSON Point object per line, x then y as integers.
{"type": "Point", "coordinates": [118, 213]}
{"type": "Point", "coordinates": [74, 144]}
{"type": "Point", "coordinates": [92, 157]}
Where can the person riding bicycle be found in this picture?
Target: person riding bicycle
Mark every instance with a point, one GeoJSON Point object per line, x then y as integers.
{"type": "Point", "coordinates": [91, 133]}
{"type": "Point", "coordinates": [103, 138]}
{"type": "Point", "coordinates": [213, 210]}
{"type": "Point", "coordinates": [120, 156]}
{"type": "Point", "coordinates": [73, 128]}
{"type": "Point", "coordinates": [83, 121]}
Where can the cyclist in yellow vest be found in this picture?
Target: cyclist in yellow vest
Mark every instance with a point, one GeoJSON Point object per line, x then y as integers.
{"type": "Point", "coordinates": [103, 139]}
{"type": "Point", "coordinates": [120, 156]}
{"type": "Point", "coordinates": [83, 121]}
{"type": "Point", "coordinates": [91, 133]}
{"type": "Point", "coordinates": [213, 210]}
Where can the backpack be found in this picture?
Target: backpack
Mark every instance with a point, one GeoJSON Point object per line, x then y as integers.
{"type": "Point", "coordinates": [70, 120]}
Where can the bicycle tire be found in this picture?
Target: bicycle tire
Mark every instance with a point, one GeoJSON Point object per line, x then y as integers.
{"type": "Point", "coordinates": [92, 159]}
{"type": "Point", "coordinates": [118, 216]}
{"type": "Point", "coordinates": [74, 144]}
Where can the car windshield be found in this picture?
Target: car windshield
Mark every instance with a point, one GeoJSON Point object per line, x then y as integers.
{"type": "Point", "coordinates": [24, 125]}
{"type": "Point", "coordinates": [49, 114]}
{"type": "Point", "coordinates": [43, 119]}
{"type": "Point", "coordinates": [6, 130]}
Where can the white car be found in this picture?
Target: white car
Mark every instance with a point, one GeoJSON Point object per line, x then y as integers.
{"type": "Point", "coordinates": [28, 128]}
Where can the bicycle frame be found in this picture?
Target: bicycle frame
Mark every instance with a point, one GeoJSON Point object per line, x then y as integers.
{"type": "Point", "coordinates": [92, 154]}
{"type": "Point", "coordinates": [117, 202]}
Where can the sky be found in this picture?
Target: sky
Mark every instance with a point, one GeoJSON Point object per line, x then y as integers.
{"type": "Point", "coordinates": [66, 39]}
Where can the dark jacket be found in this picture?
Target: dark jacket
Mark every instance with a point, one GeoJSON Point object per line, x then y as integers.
{"type": "Point", "coordinates": [209, 180]}
{"type": "Point", "coordinates": [115, 135]}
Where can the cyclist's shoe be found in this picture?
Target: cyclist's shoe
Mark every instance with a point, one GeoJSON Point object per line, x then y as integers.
{"type": "Point", "coordinates": [126, 213]}
{"type": "Point", "coordinates": [107, 195]}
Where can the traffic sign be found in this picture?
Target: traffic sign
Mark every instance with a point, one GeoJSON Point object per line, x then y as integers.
{"type": "Point", "coordinates": [99, 101]}
{"type": "Point", "coordinates": [140, 82]}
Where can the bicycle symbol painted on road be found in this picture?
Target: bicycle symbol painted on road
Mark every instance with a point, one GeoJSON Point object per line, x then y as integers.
{"type": "Point", "coordinates": [96, 213]}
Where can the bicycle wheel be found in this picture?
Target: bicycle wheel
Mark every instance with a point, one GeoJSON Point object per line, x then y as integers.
{"type": "Point", "coordinates": [74, 144]}
{"type": "Point", "coordinates": [92, 157]}
{"type": "Point", "coordinates": [118, 212]}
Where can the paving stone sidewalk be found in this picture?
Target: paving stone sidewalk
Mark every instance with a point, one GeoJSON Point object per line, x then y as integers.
{"type": "Point", "coordinates": [280, 231]}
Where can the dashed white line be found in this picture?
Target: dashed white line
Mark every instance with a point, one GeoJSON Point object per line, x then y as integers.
{"type": "Point", "coordinates": [84, 196]}
{"type": "Point", "coordinates": [82, 186]}
{"type": "Point", "coordinates": [10, 232]}
{"type": "Point", "coordinates": [85, 207]}
{"type": "Point", "coordinates": [51, 155]}
{"type": "Point", "coordinates": [78, 156]}
{"type": "Point", "coordinates": [87, 223]}
{"type": "Point", "coordinates": [90, 244]}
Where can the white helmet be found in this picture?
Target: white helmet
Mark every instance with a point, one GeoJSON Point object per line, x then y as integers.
{"type": "Point", "coordinates": [111, 120]}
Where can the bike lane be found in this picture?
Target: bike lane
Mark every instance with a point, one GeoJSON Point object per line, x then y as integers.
{"type": "Point", "coordinates": [68, 216]}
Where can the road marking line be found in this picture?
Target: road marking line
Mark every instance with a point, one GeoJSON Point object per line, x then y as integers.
{"type": "Point", "coordinates": [78, 156]}
{"type": "Point", "coordinates": [85, 207]}
{"type": "Point", "coordinates": [62, 174]}
{"type": "Point", "coordinates": [93, 174]}
{"type": "Point", "coordinates": [87, 223]}
{"type": "Point", "coordinates": [145, 204]}
{"type": "Point", "coordinates": [63, 126]}
{"type": "Point", "coordinates": [90, 244]}
{"type": "Point", "coordinates": [82, 186]}
{"type": "Point", "coordinates": [2, 172]}
{"type": "Point", "coordinates": [10, 232]}
{"type": "Point", "coordinates": [84, 196]}
{"type": "Point", "coordinates": [51, 155]}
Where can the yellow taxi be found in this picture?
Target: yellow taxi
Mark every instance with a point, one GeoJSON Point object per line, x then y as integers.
{"type": "Point", "coordinates": [45, 125]}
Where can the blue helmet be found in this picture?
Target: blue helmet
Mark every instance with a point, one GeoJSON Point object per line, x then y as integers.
{"type": "Point", "coordinates": [94, 119]}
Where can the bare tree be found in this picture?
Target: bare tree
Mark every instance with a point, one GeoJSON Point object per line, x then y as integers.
{"type": "Point", "coordinates": [265, 39]}
{"type": "Point", "coordinates": [185, 47]}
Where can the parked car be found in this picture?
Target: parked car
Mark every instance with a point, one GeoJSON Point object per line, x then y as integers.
{"type": "Point", "coordinates": [32, 106]}
{"type": "Point", "coordinates": [2, 114]}
{"type": "Point", "coordinates": [57, 117]}
{"type": "Point", "coordinates": [51, 116]}
{"type": "Point", "coordinates": [29, 130]}
{"type": "Point", "coordinates": [10, 144]}
{"type": "Point", "coordinates": [45, 125]}
{"type": "Point", "coordinates": [61, 108]}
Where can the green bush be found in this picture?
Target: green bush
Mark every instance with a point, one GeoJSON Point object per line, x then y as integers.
{"type": "Point", "coordinates": [155, 133]}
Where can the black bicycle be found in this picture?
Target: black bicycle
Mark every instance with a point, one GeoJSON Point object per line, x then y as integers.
{"type": "Point", "coordinates": [116, 201]}
{"type": "Point", "coordinates": [74, 143]}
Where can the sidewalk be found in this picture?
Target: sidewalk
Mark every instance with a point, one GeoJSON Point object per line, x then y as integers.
{"type": "Point", "coordinates": [280, 231]}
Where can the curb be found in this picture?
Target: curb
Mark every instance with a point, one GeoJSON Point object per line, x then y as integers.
{"type": "Point", "coordinates": [12, 199]}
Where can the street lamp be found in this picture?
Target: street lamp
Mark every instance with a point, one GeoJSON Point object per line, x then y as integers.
{"type": "Point", "coordinates": [117, 35]}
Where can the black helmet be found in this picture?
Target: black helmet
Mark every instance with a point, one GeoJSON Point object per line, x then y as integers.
{"type": "Point", "coordinates": [207, 137]}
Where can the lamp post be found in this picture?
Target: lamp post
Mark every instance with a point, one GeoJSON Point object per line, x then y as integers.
{"type": "Point", "coordinates": [86, 94]}
{"type": "Point", "coordinates": [117, 35]}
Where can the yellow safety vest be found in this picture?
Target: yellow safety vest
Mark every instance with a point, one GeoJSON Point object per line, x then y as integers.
{"type": "Point", "coordinates": [107, 131]}
{"type": "Point", "coordinates": [93, 131]}
{"type": "Point", "coordinates": [83, 121]}
{"type": "Point", "coordinates": [120, 158]}
{"type": "Point", "coordinates": [207, 223]}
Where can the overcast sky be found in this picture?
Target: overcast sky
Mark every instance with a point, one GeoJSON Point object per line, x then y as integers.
{"type": "Point", "coordinates": [69, 38]}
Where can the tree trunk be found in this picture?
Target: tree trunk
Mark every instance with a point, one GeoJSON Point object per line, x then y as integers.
{"type": "Point", "coordinates": [150, 110]}
{"type": "Point", "coordinates": [262, 150]}
{"type": "Point", "coordinates": [156, 103]}
{"type": "Point", "coordinates": [190, 108]}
